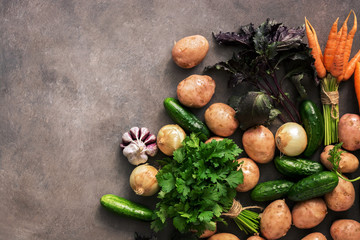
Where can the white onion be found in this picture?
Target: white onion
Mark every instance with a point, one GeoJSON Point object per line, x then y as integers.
{"type": "Point", "coordinates": [291, 139]}
{"type": "Point", "coordinates": [143, 180]}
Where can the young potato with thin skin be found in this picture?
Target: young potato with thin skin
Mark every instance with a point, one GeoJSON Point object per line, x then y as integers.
{"type": "Point", "coordinates": [190, 51]}
{"type": "Point", "coordinates": [220, 119]}
{"type": "Point", "coordinates": [251, 174]}
{"type": "Point", "coordinates": [309, 213]}
{"type": "Point", "coordinates": [276, 220]}
{"type": "Point", "coordinates": [259, 144]}
{"type": "Point", "coordinates": [349, 163]}
{"type": "Point", "coordinates": [342, 197]}
{"type": "Point", "coordinates": [349, 131]}
{"type": "Point", "coordinates": [255, 238]}
{"type": "Point", "coordinates": [196, 90]}
{"type": "Point", "coordinates": [214, 138]}
{"type": "Point", "coordinates": [223, 236]}
{"type": "Point", "coordinates": [345, 229]}
{"type": "Point", "coordinates": [314, 236]}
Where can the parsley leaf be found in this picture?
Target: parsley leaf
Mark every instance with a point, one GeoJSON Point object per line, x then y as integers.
{"type": "Point", "coordinates": [197, 185]}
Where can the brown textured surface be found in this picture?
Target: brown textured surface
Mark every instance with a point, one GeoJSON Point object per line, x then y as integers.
{"type": "Point", "coordinates": [75, 75]}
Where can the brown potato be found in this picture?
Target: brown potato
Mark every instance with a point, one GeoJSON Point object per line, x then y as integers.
{"type": "Point", "coordinates": [349, 163]}
{"type": "Point", "coordinates": [220, 118]}
{"type": "Point", "coordinates": [196, 90]}
{"type": "Point", "coordinates": [214, 138]}
{"type": "Point", "coordinates": [309, 213]}
{"type": "Point", "coordinates": [190, 51]}
{"type": "Point", "coordinates": [345, 229]}
{"type": "Point", "coordinates": [259, 144]}
{"type": "Point", "coordinates": [255, 238]}
{"type": "Point", "coordinates": [349, 131]}
{"type": "Point", "coordinates": [275, 221]}
{"type": "Point", "coordinates": [251, 174]}
{"type": "Point", "coordinates": [223, 236]}
{"type": "Point", "coordinates": [314, 236]}
{"type": "Point", "coordinates": [342, 197]}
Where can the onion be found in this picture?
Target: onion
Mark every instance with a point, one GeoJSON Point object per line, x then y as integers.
{"type": "Point", "coordinates": [169, 138]}
{"type": "Point", "coordinates": [291, 139]}
{"type": "Point", "coordinates": [143, 180]}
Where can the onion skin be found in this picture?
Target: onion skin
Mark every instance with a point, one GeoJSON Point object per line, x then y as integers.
{"type": "Point", "coordinates": [291, 139]}
{"type": "Point", "coordinates": [170, 138]}
{"type": "Point", "coordinates": [143, 180]}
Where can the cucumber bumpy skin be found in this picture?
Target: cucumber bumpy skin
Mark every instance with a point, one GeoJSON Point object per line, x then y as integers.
{"type": "Point", "coordinates": [271, 190]}
{"type": "Point", "coordinates": [126, 207]}
{"type": "Point", "coordinates": [313, 186]}
{"type": "Point", "coordinates": [313, 122]}
{"type": "Point", "coordinates": [297, 167]}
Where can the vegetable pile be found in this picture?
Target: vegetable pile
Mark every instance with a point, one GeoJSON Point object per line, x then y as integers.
{"type": "Point", "coordinates": [199, 179]}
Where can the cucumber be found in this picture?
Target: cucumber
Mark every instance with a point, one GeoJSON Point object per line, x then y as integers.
{"type": "Point", "coordinates": [313, 122]}
{"type": "Point", "coordinates": [271, 190]}
{"type": "Point", "coordinates": [126, 207]}
{"type": "Point", "coordinates": [313, 186]}
{"type": "Point", "coordinates": [297, 167]}
{"type": "Point", "coordinates": [187, 120]}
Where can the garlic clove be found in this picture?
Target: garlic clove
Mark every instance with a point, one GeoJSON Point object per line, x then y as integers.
{"type": "Point", "coordinates": [151, 149]}
{"type": "Point", "coordinates": [144, 133]}
{"type": "Point", "coordinates": [150, 139]}
{"type": "Point", "coordinates": [135, 133]}
{"type": "Point", "coordinates": [126, 139]}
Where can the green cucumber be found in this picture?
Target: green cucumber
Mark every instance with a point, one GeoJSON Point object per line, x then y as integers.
{"type": "Point", "coordinates": [313, 186]}
{"type": "Point", "coordinates": [313, 122]}
{"type": "Point", "coordinates": [297, 167]}
{"type": "Point", "coordinates": [271, 190]}
{"type": "Point", "coordinates": [186, 119]}
{"type": "Point", "coordinates": [126, 207]}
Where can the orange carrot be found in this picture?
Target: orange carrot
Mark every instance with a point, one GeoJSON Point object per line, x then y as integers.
{"type": "Point", "coordinates": [338, 63]}
{"type": "Point", "coordinates": [315, 49]}
{"type": "Point", "coordinates": [351, 66]}
{"type": "Point", "coordinates": [348, 46]}
{"type": "Point", "coordinates": [357, 82]}
{"type": "Point", "coordinates": [329, 52]}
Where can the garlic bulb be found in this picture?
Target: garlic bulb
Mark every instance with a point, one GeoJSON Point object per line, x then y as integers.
{"type": "Point", "coordinates": [138, 144]}
{"type": "Point", "coordinates": [143, 180]}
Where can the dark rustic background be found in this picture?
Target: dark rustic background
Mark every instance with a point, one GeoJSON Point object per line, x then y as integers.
{"type": "Point", "coordinates": [75, 75]}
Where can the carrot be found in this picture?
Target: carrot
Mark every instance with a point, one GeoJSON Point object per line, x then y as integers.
{"type": "Point", "coordinates": [330, 48]}
{"type": "Point", "coordinates": [348, 46]}
{"type": "Point", "coordinates": [357, 82]}
{"type": "Point", "coordinates": [315, 49]}
{"type": "Point", "coordinates": [338, 63]}
{"type": "Point", "coordinates": [351, 66]}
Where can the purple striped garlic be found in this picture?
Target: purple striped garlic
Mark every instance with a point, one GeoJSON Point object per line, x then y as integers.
{"type": "Point", "coordinates": [138, 144]}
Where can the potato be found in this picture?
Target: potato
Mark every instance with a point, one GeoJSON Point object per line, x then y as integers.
{"type": "Point", "coordinates": [345, 229]}
{"type": "Point", "coordinates": [342, 197]}
{"type": "Point", "coordinates": [259, 144]}
{"type": "Point", "coordinates": [349, 131]}
{"type": "Point", "coordinates": [275, 221]}
{"type": "Point", "coordinates": [214, 138]}
{"type": "Point", "coordinates": [309, 213]}
{"type": "Point", "coordinates": [314, 236]}
{"type": "Point", "coordinates": [220, 118]}
{"type": "Point", "coordinates": [349, 163]}
{"type": "Point", "coordinates": [223, 236]}
{"type": "Point", "coordinates": [196, 90]}
{"type": "Point", "coordinates": [190, 51]}
{"type": "Point", "coordinates": [255, 238]}
{"type": "Point", "coordinates": [251, 174]}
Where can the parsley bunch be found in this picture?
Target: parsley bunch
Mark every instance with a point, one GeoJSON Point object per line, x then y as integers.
{"type": "Point", "coordinates": [197, 185]}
